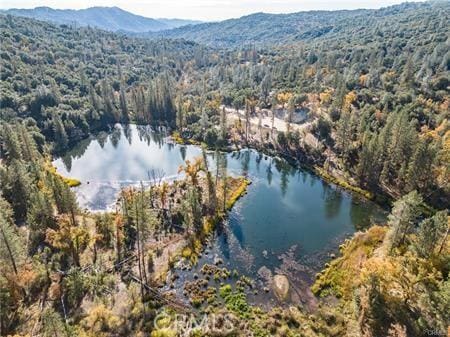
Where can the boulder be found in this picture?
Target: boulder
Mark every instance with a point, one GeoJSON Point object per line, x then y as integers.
{"type": "Point", "coordinates": [265, 274]}
{"type": "Point", "coordinates": [281, 286]}
{"type": "Point", "coordinates": [217, 260]}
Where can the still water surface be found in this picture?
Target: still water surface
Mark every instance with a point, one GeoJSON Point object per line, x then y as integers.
{"type": "Point", "coordinates": [286, 209]}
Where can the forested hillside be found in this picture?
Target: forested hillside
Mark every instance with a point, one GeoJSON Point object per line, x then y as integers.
{"type": "Point", "coordinates": [86, 79]}
{"type": "Point", "coordinates": [107, 18]}
{"type": "Point", "coordinates": [360, 87]}
{"type": "Point", "coordinates": [373, 89]}
{"type": "Point", "coordinates": [269, 29]}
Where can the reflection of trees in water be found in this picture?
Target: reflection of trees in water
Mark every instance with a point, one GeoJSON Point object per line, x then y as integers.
{"type": "Point", "coordinates": [222, 236]}
{"type": "Point", "coordinates": [102, 138]}
{"type": "Point", "coordinates": [76, 152]}
{"type": "Point", "coordinates": [313, 180]}
{"type": "Point", "coordinates": [258, 161]}
{"type": "Point", "coordinates": [128, 132]}
{"type": "Point", "coordinates": [269, 172]}
{"type": "Point", "coordinates": [284, 182]}
{"type": "Point", "coordinates": [332, 200]}
{"type": "Point", "coordinates": [159, 135]}
{"type": "Point", "coordinates": [222, 163]}
{"type": "Point", "coordinates": [304, 176]}
{"type": "Point", "coordinates": [236, 229]}
{"type": "Point", "coordinates": [360, 215]}
{"type": "Point", "coordinates": [183, 149]}
{"type": "Point", "coordinates": [115, 136]}
{"type": "Point", "coordinates": [144, 133]}
{"type": "Point", "coordinates": [67, 161]}
{"type": "Point", "coordinates": [170, 146]}
{"type": "Point", "coordinates": [285, 170]}
{"type": "Point", "coordinates": [245, 162]}
{"type": "Point", "coordinates": [148, 134]}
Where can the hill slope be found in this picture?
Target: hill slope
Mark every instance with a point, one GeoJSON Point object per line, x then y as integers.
{"type": "Point", "coordinates": [108, 18]}
{"type": "Point", "coordinates": [262, 28]}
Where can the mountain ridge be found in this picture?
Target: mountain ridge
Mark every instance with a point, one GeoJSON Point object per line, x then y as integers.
{"type": "Point", "coordinates": [107, 18]}
{"type": "Point", "coordinates": [261, 28]}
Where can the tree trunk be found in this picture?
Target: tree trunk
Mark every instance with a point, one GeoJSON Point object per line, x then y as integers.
{"type": "Point", "coordinates": [443, 242]}
{"type": "Point", "coordinates": [11, 257]}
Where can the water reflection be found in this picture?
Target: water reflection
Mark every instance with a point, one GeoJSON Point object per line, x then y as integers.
{"type": "Point", "coordinates": [284, 206]}
{"type": "Point", "coordinates": [333, 200]}
{"type": "Point", "coordinates": [269, 173]}
{"type": "Point", "coordinates": [115, 136]}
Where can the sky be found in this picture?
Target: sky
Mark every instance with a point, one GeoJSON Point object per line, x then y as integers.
{"type": "Point", "coordinates": [206, 10]}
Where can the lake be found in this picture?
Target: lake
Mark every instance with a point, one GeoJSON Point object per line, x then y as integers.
{"type": "Point", "coordinates": [289, 219]}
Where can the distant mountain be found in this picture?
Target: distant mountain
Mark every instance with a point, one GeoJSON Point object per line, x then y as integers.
{"type": "Point", "coordinates": [260, 28]}
{"type": "Point", "coordinates": [175, 23]}
{"type": "Point", "coordinates": [108, 18]}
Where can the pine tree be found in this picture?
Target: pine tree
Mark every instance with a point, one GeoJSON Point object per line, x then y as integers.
{"type": "Point", "coordinates": [61, 138]}
{"type": "Point", "coordinates": [16, 186]}
{"type": "Point", "coordinates": [180, 113]}
{"type": "Point", "coordinates": [28, 145]}
{"type": "Point", "coordinates": [290, 113]}
{"type": "Point", "coordinates": [10, 143]}
{"type": "Point", "coordinates": [212, 197]}
{"type": "Point", "coordinates": [40, 217]}
{"type": "Point", "coordinates": [12, 244]}
{"type": "Point", "coordinates": [402, 218]}
{"type": "Point", "coordinates": [432, 234]}
{"type": "Point", "coordinates": [420, 166]}
{"type": "Point", "coordinates": [343, 134]}
{"type": "Point", "coordinates": [223, 125]}
{"type": "Point", "coordinates": [123, 104]}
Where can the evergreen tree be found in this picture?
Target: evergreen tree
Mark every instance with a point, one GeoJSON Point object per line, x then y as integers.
{"type": "Point", "coordinates": [402, 219]}
{"type": "Point", "coordinates": [28, 145]}
{"type": "Point", "coordinates": [16, 185]}
{"type": "Point", "coordinates": [12, 244]}
{"type": "Point", "coordinates": [10, 143]}
{"type": "Point", "coordinates": [432, 234]}
{"type": "Point", "coordinates": [40, 217]}
{"type": "Point", "coordinates": [60, 135]}
{"type": "Point", "coordinates": [420, 165]}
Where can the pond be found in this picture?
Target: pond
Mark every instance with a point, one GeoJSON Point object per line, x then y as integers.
{"type": "Point", "coordinates": [289, 221]}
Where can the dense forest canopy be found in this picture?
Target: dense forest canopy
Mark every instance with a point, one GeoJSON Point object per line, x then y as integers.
{"type": "Point", "coordinates": [374, 88]}
{"type": "Point", "coordinates": [378, 72]}
{"type": "Point", "coordinates": [280, 29]}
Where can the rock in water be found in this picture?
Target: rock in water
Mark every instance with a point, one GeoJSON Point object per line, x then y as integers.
{"type": "Point", "coordinates": [281, 286]}
{"type": "Point", "coordinates": [265, 274]}
{"type": "Point", "coordinates": [217, 260]}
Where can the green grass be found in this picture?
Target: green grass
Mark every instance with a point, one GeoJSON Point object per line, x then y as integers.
{"type": "Point", "coordinates": [237, 193]}
{"type": "Point", "coordinates": [341, 275]}
{"type": "Point", "coordinates": [342, 183]}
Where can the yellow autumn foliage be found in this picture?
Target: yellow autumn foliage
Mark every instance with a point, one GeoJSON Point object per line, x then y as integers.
{"type": "Point", "coordinates": [284, 97]}
{"type": "Point", "coordinates": [363, 79]}
{"type": "Point", "coordinates": [237, 193]}
{"type": "Point", "coordinates": [100, 321]}
{"type": "Point", "coordinates": [72, 182]}
{"type": "Point", "coordinates": [192, 169]}
{"type": "Point", "coordinates": [310, 72]}
{"type": "Point", "coordinates": [343, 274]}
{"type": "Point", "coordinates": [349, 99]}
{"type": "Point", "coordinates": [325, 97]}
{"type": "Point", "coordinates": [69, 237]}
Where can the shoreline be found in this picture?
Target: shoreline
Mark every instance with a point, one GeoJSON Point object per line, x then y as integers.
{"type": "Point", "coordinates": [382, 200]}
